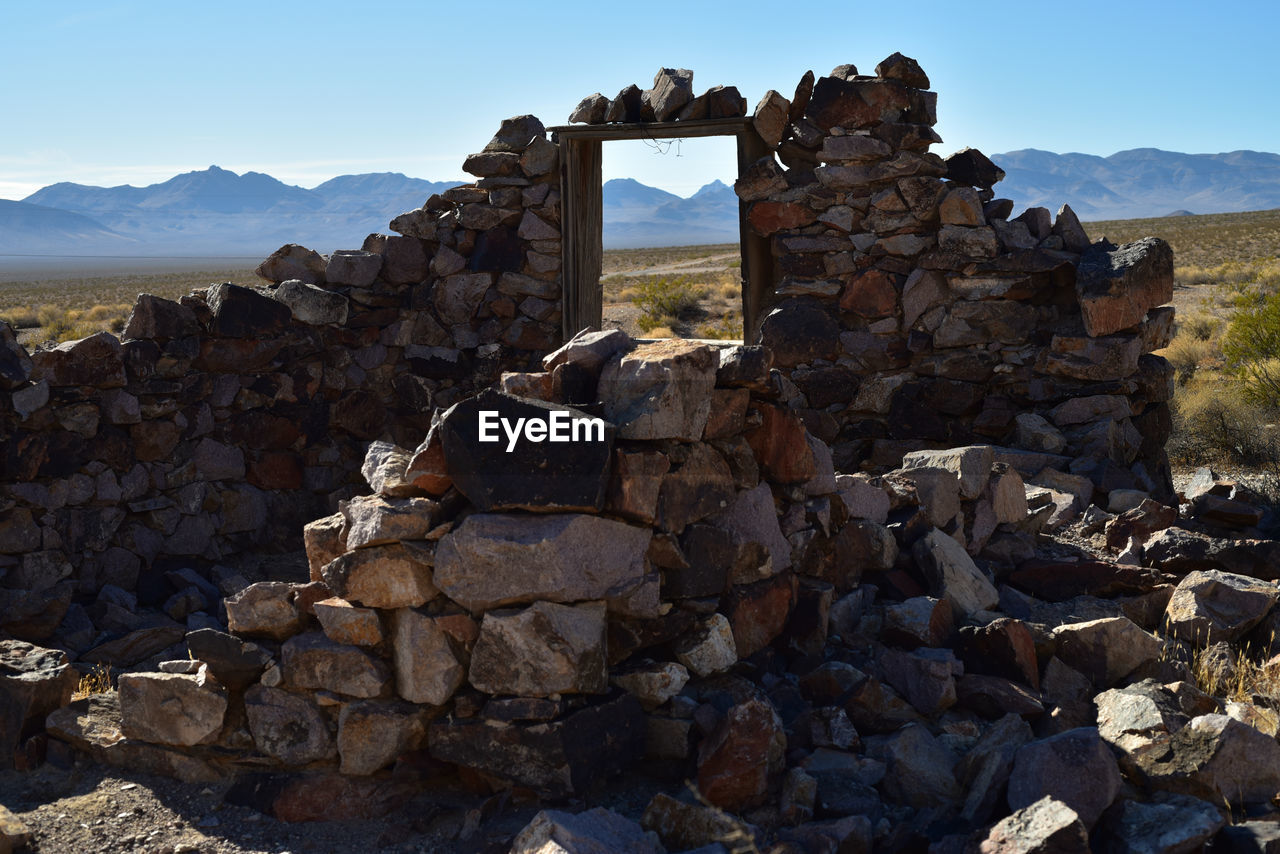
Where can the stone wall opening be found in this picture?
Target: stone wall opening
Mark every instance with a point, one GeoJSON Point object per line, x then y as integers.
{"type": "Point", "coordinates": [583, 224]}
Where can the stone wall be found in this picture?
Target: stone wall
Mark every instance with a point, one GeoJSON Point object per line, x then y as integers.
{"type": "Point", "coordinates": [221, 423]}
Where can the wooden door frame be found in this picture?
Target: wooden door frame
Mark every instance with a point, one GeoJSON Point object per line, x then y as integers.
{"type": "Point", "coordinates": [582, 215]}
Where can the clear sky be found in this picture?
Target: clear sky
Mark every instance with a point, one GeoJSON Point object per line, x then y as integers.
{"type": "Point", "coordinates": [134, 92]}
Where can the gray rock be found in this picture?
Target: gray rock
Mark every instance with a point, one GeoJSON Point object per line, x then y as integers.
{"type": "Point", "coordinates": [542, 650]}
{"type": "Point", "coordinates": [33, 682]}
{"type": "Point", "coordinates": [595, 831]}
{"type": "Point", "coordinates": [426, 663]}
{"type": "Point", "coordinates": [1170, 825]}
{"type": "Point", "coordinates": [751, 518]}
{"type": "Point", "coordinates": [354, 267]}
{"type": "Point", "coordinates": [292, 261]}
{"type": "Point", "coordinates": [708, 648]}
{"type": "Point", "coordinates": [287, 726]}
{"type": "Point", "coordinates": [590, 109]}
{"type": "Point", "coordinates": [172, 708]}
{"type": "Point", "coordinates": [1047, 826]}
{"type": "Point", "coordinates": [660, 390]}
{"type": "Point", "coordinates": [1075, 767]}
{"type": "Point", "coordinates": [372, 520]}
{"type": "Point", "coordinates": [921, 771]}
{"type": "Point", "coordinates": [952, 573]}
{"type": "Point", "coordinates": [372, 733]}
{"type": "Point", "coordinates": [390, 576]}
{"type": "Point", "coordinates": [672, 89]}
{"type": "Point", "coordinates": [491, 560]}
{"type": "Point", "coordinates": [1105, 650]}
{"type": "Point", "coordinates": [1216, 758]}
{"type": "Point", "coordinates": [264, 609]}
{"type": "Point", "coordinates": [1211, 606]}
{"type": "Point", "coordinates": [313, 662]}
{"type": "Point", "coordinates": [312, 305]}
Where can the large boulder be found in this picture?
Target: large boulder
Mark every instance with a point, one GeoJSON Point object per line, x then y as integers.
{"type": "Point", "coordinates": [660, 390]}
{"type": "Point", "coordinates": [33, 682]}
{"type": "Point", "coordinates": [1211, 606]}
{"type": "Point", "coordinates": [1075, 767]}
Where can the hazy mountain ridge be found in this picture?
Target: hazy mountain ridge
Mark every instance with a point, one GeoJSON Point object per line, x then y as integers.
{"type": "Point", "coordinates": [1141, 182]}
{"type": "Point", "coordinates": [217, 212]}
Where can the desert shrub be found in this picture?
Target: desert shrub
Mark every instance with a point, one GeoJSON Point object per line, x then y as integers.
{"type": "Point", "coordinates": [1200, 327]}
{"type": "Point", "coordinates": [1188, 353]}
{"type": "Point", "coordinates": [1213, 422]}
{"type": "Point", "coordinates": [663, 299]}
{"type": "Point", "coordinates": [20, 317]}
{"type": "Point", "coordinates": [728, 328]}
{"type": "Point", "coordinates": [1252, 345]}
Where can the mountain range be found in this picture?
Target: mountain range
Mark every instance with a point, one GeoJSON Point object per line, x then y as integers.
{"type": "Point", "coordinates": [218, 212]}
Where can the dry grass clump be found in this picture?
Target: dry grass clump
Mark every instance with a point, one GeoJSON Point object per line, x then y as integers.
{"type": "Point", "coordinates": [96, 681]}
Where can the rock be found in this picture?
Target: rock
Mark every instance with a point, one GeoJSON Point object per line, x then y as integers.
{"type": "Point", "coordinates": [1067, 227]}
{"type": "Point", "coordinates": [1048, 825]}
{"type": "Point", "coordinates": [971, 466]}
{"type": "Point", "coordinates": [372, 520]}
{"type": "Point", "coordinates": [1211, 606]}
{"type": "Point", "coordinates": [799, 330]}
{"type": "Point", "coordinates": [903, 69]}
{"type": "Point", "coordinates": [984, 771]}
{"type": "Point", "coordinates": [595, 831]}
{"type": "Point", "coordinates": [863, 498]}
{"type": "Point", "coordinates": [1075, 767]}
{"type": "Point", "coordinates": [770, 118]}
{"type": "Point", "coordinates": [1113, 357]}
{"type": "Point", "coordinates": [972, 168]}
{"type": "Point", "coordinates": [590, 109]}
{"type": "Point", "coordinates": [781, 446]}
{"type": "Point", "coordinates": [660, 390]}
{"type": "Point", "coordinates": [737, 759]}
{"type": "Point", "coordinates": [1105, 650]}
{"type": "Point", "coordinates": [589, 350]}
{"type": "Point", "coordinates": [653, 684]}
{"type": "Point", "coordinates": [156, 317]}
{"type": "Point", "coordinates": [313, 662]}
{"type": "Point", "coordinates": [921, 771]}
{"type": "Point", "coordinates": [426, 660]}
{"type": "Point", "coordinates": [758, 612]}
{"type": "Point", "coordinates": [286, 726]}
{"type": "Point", "coordinates": [672, 89]}
{"type": "Point", "coordinates": [556, 758]}
{"type": "Point", "coordinates": [1035, 433]}
{"type": "Point", "coordinates": [709, 648]}
{"type": "Point", "coordinates": [1178, 551]}
{"type": "Point", "coordinates": [918, 621]}
{"type": "Point", "coordinates": [389, 576]}
{"type": "Point", "coordinates": [1116, 287]}
{"type": "Point", "coordinates": [701, 484]}
{"type": "Point", "coordinates": [15, 363]}
{"type": "Point", "coordinates": [1215, 758]}
{"type": "Point", "coordinates": [384, 470]}
{"type": "Point", "coordinates": [626, 107]}
{"type": "Point", "coordinates": [94, 361]}
{"type": "Point", "coordinates": [235, 663]}
{"type": "Point", "coordinates": [353, 267]}
{"type": "Point", "coordinates": [1003, 647]}
{"type": "Point", "coordinates": [925, 677]}
{"type": "Point", "coordinates": [952, 574]}
{"type": "Point", "coordinates": [264, 609]}
{"type": "Point", "coordinates": [240, 312]}
{"type": "Point", "coordinates": [541, 650]}
{"type": "Point", "coordinates": [311, 305]}
{"type": "Point", "coordinates": [172, 708]}
{"type": "Point", "coordinates": [491, 560]}
{"type": "Point", "coordinates": [559, 463]}
{"type": "Point", "coordinates": [292, 261]}
{"type": "Point", "coordinates": [14, 834]}
{"type": "Point", "coordinates": [515, 134]}
{"type": "Point", "coordinates": [33, 682]}
{"type": "Point", "coordinates": [343, 622]}
{"type": "Point", "coordinates": [372, 733]}
{"type": "Point", "coordinates": [684, 826]}
{"type": "Point", "coordinates": [1170, 824]}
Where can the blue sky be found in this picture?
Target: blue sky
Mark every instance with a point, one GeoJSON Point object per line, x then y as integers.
{"type": "Point", "coordinates": [135, 92]}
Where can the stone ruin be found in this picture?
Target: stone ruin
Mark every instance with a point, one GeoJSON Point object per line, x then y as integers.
{"type": "Point", "coordinates": [801, 571]}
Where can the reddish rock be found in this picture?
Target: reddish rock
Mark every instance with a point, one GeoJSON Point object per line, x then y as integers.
{"type": "Point", "coordinates": [758, 612]}
{"type": "Point", "coordinates": [1116, 287]}
{"type": "Point", "coordinates": [93, 361]}
{"type": "Point", "coordinates": [1003, 647]}
{"type": "Point", "coordinates": [702, 484]}
{"type": "Point", "coordinates": [1058, 581]}
{"type": "Point", "coordinates": [427, 469]}
{"type": "Point", "coordinates": [336, 797]}
{"type": "Point", "coordinates": [276, 470]}
{"type": "Point", "coordinates": [293, 261]}
{"type": "Point", "coordinates": [736, 761]}
{"type": "Point", "coordinates": [634, 484]}
{"type": "Point", "coordinates": [781, 446]}
{"type": "Point", "coordinates": [768, 218]}
{"type": "Point", "coordinates": [870, 294]}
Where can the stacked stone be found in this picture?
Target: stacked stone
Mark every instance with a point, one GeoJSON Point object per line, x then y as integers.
{"type": "Point", "coordinates": [670, 99]}
{"type": "Point", "coordinates": [909, 310]}
{"type": "Point", "coordinates": [222, 422]}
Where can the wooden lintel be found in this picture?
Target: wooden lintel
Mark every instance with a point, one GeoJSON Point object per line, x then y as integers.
{"type": "Point", "coordinates": [654, 130]}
